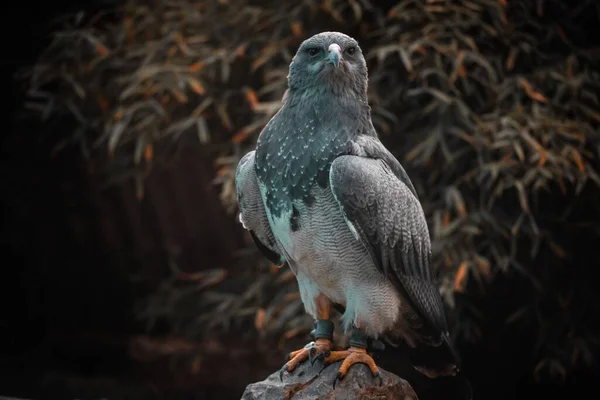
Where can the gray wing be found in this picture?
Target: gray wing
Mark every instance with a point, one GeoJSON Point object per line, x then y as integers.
{"type": "Point", "coordinates": [388, 219]}
{"type": "Point", "coordinates": [252, 210]}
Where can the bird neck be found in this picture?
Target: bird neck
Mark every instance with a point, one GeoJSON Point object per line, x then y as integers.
{"type": "Point", "coordinates": [324, 103]}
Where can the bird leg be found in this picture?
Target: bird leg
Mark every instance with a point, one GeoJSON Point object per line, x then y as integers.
{"type": "Point", "coordinates": [355, 354]}
{"type": "Point", "coordinates": [323, 334]}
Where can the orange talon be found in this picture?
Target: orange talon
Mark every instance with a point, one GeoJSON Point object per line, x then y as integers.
{"type": "Point", "coordinates": [312, 351]}
{"type": "Point", "coordinates": [354, 355]}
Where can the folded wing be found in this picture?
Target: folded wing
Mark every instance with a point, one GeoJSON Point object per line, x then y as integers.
{"type": "Point", "coordinates": [252, 210]}
{"type": "Point", "coordinates": [388, 219]}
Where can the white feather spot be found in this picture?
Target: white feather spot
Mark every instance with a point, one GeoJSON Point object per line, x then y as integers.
{"type": "Point", "coordinates": [242, 221]}
{"type": "Point", "coordinates": [352, 229]}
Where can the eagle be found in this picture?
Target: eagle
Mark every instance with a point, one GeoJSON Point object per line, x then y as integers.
{"type": "Point", "coordinates": [321, 193]}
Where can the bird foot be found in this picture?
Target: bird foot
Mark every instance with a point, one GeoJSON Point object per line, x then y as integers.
{"type": "Point", "coordinates": [313, 351]}
{"type": "Point", "coordinates": [354, 355]}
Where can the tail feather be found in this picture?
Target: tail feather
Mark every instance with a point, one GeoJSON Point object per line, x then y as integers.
{"type": "Point", "coordinates": [435, 360]}
{"type": "Point", "coordinates": [441, 360]}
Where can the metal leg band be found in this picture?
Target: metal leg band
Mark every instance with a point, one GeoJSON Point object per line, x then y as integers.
{"type": "Point", "coordinates": [358, 338]}
{"type": "Point", "coordinates": [324, 329]}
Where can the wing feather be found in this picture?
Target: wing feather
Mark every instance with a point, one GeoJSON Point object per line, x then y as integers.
{"type": "Point", "coordinates": [391, 224]}
{"type": "Point", "coordinates": [252, 210]}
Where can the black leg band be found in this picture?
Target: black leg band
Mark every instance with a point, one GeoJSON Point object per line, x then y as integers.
{"type": "Point", "coordinates": [324, 329]}
{"type": "Point", "coordinates": [358, 338]}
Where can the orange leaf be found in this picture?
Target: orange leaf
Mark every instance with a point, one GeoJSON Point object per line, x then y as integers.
{"type": "Point", "coordinates": [531, 92]}
{"type": "Point", "coordinates": [421, 49]}
{"type": "Point", "coordinates": [285, 277]}
{"type": "Point", "coordinates": [508, 155]}
{"type": "Point", "coordinates": [196, 276]}
{"type": "Point", "coordinates": [101, 49]}
{"type": "Point", "coordinates": [197, 66]}
{"type": "Point", "coordinates": [510, 61]}
{"type": "Point", "coordinates": [182, 44]}
{"type": "Point", "coordinates": [179, 95]}
{"type": "Point", "coordinates": [461, 208]}
{"type": "Point", "coordinates": [148, 152]}
{"type": "Point", "coordinates": [291, 296]}
{"type": "Point", "coordinates": [196, 86]}
{"type": "Point", "coordinates": [578, 160]}
{"type": "Point", "coordinates": [196, 365]}
{"type": "Point", "coordinates": [252, 98]}
{"type": "Point", "coordinates": [224, 116]}
{"type": "Point", "coordinates": [240, 136]}
{"type": "Point", "coordinates": [446, 219]}
{"type": "Point", "coordinates": [561, 186]}
{"type": "Point", "coordinates": [561, 33]}
{"type": "Point", "coordinates": [222, 171]}
{"type": "Point", "coordinates": [484, 267]}
{"type": "Point", "coordinates": [259, 320]}
{"type": "Point", "coordinates": [266, 53]}
{"type": "Point", "coordinates": [570, 66]}
{"type": "Point", "coordinates": [241, 50]}
{"type": "Point", "coordinates": [102, 102]}
{"type": "Point", "coordinates": [129, 27]}
{"type": "Point", "coordinates": [259, 62]}
{"type": "Point", "coordinates": [461, 274]}
{"type": "Point", "coordinates": [543, 159]}
{"type": "Point", "coordinates": [297, 28]}
{"type": "Point", "coordinates": [459, 66]}
{"type": "Point", "coordinates": [559, 251]}
{"type": "Point", "coordinates": [291, 333]}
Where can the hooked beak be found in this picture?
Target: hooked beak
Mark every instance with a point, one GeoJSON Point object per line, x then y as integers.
{"type": "Point", "coordinates": [335, 54]}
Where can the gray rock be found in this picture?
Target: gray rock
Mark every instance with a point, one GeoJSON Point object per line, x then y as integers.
{"type": "Point", "coordinates": [305, 383]}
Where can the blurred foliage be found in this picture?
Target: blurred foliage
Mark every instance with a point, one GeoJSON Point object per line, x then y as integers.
{"type": "Point", "coordinates": [492, 106]}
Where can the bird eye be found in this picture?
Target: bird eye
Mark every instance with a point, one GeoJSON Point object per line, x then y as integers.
{"type": "Point", "coordinates": [313, 51]}
{"type": "Point", "coordinates": [351, 50]}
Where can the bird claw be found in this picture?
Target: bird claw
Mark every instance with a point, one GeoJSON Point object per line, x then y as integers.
{"type": "Point", "coordinates": [313, 351]}
{"type": "Point", "coordinates": [350, 357]}
{"type": "Point", "coordinates": [321, 356]}
{"type": "Point", "coordinates": [338, 377]}
{"type": "Point", "coordinates": [323, 369]}
{"type": "Point", "coordinates": [378, 375]}
{"type": "Point", "coordinates": [311, 355]}
{"type": "Point", "coordinates": [282, 370]}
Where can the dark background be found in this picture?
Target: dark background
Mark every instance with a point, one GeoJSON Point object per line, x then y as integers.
{"type": "Point", "coordinates": [66, 304]}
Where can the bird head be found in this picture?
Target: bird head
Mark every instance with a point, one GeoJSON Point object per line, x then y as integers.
{"type": "Point", "coordinates": [329, 61]}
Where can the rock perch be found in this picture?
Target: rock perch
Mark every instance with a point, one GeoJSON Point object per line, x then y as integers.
{"type": "Point", "coordinates": [305, 383]}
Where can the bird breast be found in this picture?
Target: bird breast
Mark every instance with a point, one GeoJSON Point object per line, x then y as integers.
{"type": "Point", "coordinates": [330, 260]}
